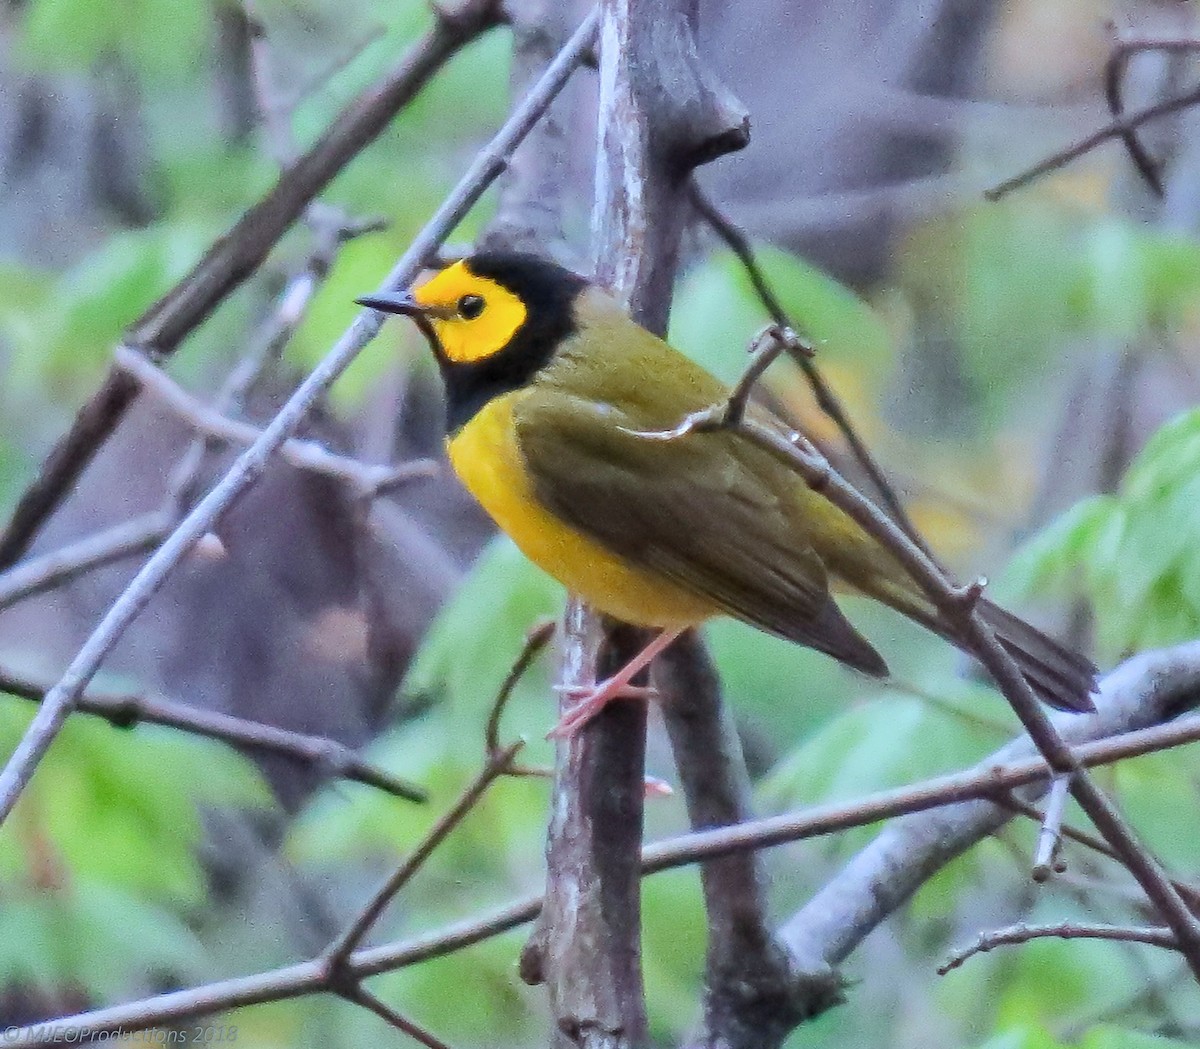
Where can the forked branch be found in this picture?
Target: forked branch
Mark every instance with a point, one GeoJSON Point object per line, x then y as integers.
{"type": "Point", "coordinates": [235, 256]}
{"type": "Point", "coordinates": [61, 699]}
{"type": "Point", "coordinates": [1151, 687]}
{"type": "Point", "coordinates": [957, 605]}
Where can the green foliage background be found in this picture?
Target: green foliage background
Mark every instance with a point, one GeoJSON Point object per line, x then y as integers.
{"type": "Point", "coordinates": [101, 886]}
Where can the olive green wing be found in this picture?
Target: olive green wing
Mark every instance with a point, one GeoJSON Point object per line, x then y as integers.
{"type": "Point", "coordinates": [691, 509]}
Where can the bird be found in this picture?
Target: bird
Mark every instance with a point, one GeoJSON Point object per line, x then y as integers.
{"type": "Point", "coordinates": [557, 402]}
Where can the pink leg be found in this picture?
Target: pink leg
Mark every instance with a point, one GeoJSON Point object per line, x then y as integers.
{"type": "Point", "coordinates": [616, 687]}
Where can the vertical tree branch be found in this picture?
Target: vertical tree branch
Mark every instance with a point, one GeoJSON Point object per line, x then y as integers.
{"type": "Point", "coordinates": [586, 947]}
{"type": "Point", "coordinates": [659, 116]}
{"type": "Point", "coordinates": [750, 994]}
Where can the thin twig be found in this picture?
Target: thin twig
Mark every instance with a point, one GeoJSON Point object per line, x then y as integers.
{"type": "Point", "coordinates": [1115, 128]}
{"type": "Point", "coordinates": [738, 242]}
{"type": "Point", "coordinates": [366, 479]}
{"type": "Point", "coordinates": [1153, 935]}
{"type": "Point", "coordinates": [765, 349]}
{"type": "Point", "coordinates": [124, 710]}
{"type": "Point", "coordinates": [986, 781]}
{"type": "Point", "coordinates": [236, 255]}
{"type": "Point", "coordinates": [1016, 803]}
{"type": "Point", "coordinates": [1045, 859]}
{"type": "Point", "coordinates": [1124, 49]}
{"type": "Point", "coordinates": [973, 784]}
{"type": "Point", "coordinates": [251, 464]}
{"type": "Point", "coordinates": [339, 950]}
{"type": "Point", "coordinates": [958, 608]}
{"type": "Point", "coordinates": [57, 568]}
{"type": "Point", "coordinates": [535, 641]}
{"type": "Point", "coordinates": [361, 996]}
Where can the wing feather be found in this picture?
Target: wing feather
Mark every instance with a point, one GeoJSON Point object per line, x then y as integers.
{"type": "Point", "coordinates": [693, 509]}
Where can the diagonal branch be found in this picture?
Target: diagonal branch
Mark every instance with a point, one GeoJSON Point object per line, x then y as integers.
{"type": "Point", "coordinates": [950, 601]}
{"type": "Point", "coordinates": [57, 568]}
{"type": "Point", "coordinates": [61, 699]}
{"type": "Point", "coordinates": [235, 256]}
{"type": "Point", "coordinates": [953, 810]}
{"type": "Point", "coordinates": [124, 710]}
{"type": "Point", "coordinates": [361, 996]}
{"type": "Point", "coordinates": [1155, 936]}
{"type": "Point", "coordinates": [1115, 128]}
{"type": "Point", "coordinates": [827, 400]}
{"type": "Point", "coordinates": [340, 949]}
{"type": "Point", "coordinates": [957, 606]}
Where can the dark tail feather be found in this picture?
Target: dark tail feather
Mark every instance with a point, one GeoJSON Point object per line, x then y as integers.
{"type": "Point", "coordinates": [1062, 678]}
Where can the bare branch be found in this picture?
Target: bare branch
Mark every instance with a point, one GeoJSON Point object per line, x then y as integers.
{"type": "Point", "coordinates": [367, 479]}
{"type": "Point", "coordinates": [235, 256]}
{"type": "Point", "coordinates": [248, 468]}
{"type": "Point", "coordinates": [339, 951]}
{"type": "Point", "coordinates": [57, 568]}
{"type": "Point", "coordinates": [361, 996]}
{"type": "Point", "coordinates": [957, 607]}
{"type": "Point", "coordinates": [124, 710]}
{"type": "Point", "coordinates": [827, 400]}
{"type": "Point", "coordinates": [535, 641]}
{"type": "Point", "coordinates": [1141, 692]}
{"type": "Point", "coordinates": [1016, 803]}
{"type": "Point", "coordinates": [1124, 49]}
{"type": "Point", "coordinates": [749, 990]}
{"type": "Point", "coordinates": [1155, 936]}
{"type": "Point", "coordinates": [765, 349]}
{"type": "Point", "coordinates": [1117, 127]}
{"type": "Point", "coordinates": [1050, 835]}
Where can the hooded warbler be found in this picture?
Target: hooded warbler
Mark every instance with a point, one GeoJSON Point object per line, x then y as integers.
{"type": "Point", "coordinates": [551, 389]}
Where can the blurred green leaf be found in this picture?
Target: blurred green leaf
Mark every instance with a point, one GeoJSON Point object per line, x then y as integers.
{"type": "Point", "coordinates": [1109, 1036]}
{"type": "Point", "coordinates": [122, 807]}
{"type": "Point", "coordinates": [1054, 554]}
{"type": "Point", "coordinates": [159, 38]}
{"type": "Point", "coordinates": [1133, 554]}
{"type": "Point", "coordinates": [673, 940]}
{"type": "Point", "coordinates": [52, 938]}
{"type": "Point", "coordinates": [63, 330]}
{"type": "Point", "coordinates": [876, 744]}
{"type": "Point", "coordinates": [477, 636]}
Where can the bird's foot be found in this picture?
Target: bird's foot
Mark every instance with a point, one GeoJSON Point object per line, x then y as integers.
{"type": "Point", "coordinates": [591, 699]}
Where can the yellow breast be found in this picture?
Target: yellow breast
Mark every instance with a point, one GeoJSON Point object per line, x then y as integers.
{"type": "Point", "coordinates": [485, 456]}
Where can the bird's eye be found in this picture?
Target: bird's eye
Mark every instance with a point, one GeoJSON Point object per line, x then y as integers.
{"type": "Point", "coordinates": [470, 306]}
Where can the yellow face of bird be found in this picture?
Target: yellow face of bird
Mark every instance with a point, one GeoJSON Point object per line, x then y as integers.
{"type": "Point", "coordinates": [495, 320]}
{"type": "Point", "coordinates": [473, 317]}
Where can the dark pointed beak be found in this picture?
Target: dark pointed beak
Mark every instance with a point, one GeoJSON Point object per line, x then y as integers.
{"type": "Point", "coordinates": [400, 302]}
